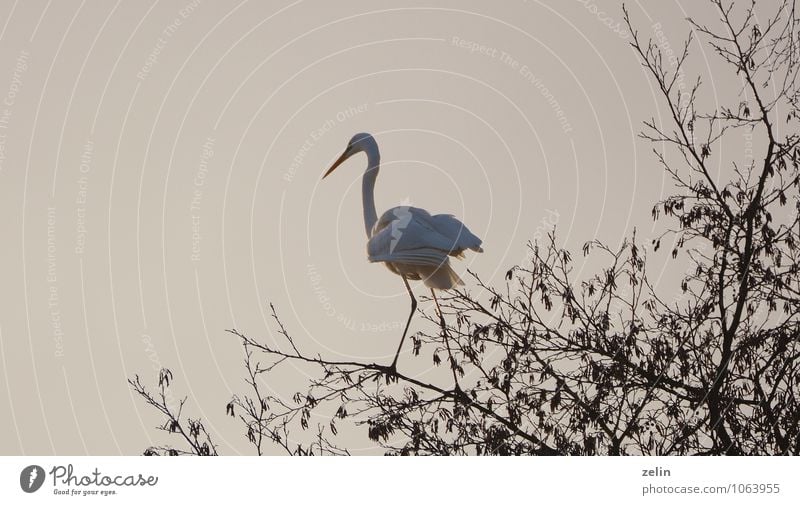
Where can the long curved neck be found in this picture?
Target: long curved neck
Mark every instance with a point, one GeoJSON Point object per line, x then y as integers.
{"type": "Point", "coordinates": [368, 188]}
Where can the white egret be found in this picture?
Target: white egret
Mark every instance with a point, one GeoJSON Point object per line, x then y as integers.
{"type": "Point", "coordinates": [409, 241]}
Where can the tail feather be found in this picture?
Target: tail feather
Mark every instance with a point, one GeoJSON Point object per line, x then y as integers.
{"type": "Point", "coordinates": [442, 277]}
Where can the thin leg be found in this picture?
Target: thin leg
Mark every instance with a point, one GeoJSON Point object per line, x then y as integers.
{"type": "Point", "coordinates": [410, 315]}
{"type": "Point", "coordinates": [446, 339]}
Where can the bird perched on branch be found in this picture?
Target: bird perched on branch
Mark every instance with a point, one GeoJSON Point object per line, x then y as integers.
{"type": "Point", "coordinates": [411, 242]}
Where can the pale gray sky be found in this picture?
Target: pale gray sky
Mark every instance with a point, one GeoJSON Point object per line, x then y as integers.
{"type": "Point", "coordinates": [160, 179]}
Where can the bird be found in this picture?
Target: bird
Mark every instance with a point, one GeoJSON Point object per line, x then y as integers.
{"type": "Point", "coordinates": [410, 241]}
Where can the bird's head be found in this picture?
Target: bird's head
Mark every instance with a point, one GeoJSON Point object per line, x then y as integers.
{"type": "Point", "coordinates": [360, 142]}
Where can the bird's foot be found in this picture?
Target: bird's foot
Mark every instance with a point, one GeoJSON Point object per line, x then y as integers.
{"type": "Point", "coordinates": [460, 395]}
{"type": "Point", "coordinates": [391, 372]}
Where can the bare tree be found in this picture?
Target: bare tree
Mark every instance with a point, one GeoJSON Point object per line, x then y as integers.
{"type": "Point", "coordinates": [743, 231]}
{"type": "Point", "coordinates": [550, 363]}
{"type": "Point", "coordinates": [195, 438]}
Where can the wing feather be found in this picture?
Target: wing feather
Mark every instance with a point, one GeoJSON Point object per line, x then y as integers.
{"type": "Point", "coordinates": [412, 235]}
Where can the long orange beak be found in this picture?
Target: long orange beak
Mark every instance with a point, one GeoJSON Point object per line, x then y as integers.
{"type": "Point", "coordinates": [336, 163]}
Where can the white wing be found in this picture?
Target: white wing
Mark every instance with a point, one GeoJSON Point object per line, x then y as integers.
{"type": "Point", "coordinates": [411, 235]}
{"type": "Point", "coordinates": [455, 230]}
